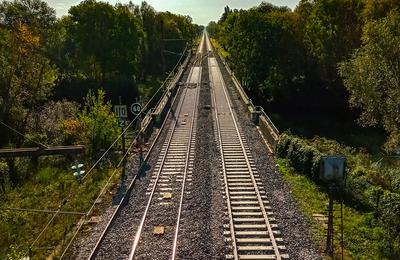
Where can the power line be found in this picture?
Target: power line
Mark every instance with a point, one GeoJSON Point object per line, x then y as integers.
{"type": "Point", "coordinates": [44, 211]}
{"type": "Point", "coordinates": [21, 134]}
{"type": "Point", "coordinates": [65, 200]}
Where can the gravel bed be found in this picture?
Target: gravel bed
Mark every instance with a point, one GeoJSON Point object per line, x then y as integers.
{"type": "Point", "coordinates": [201, 232]}
{"type": "Point", "coordinates": [119, 239]}
{"type": "Point", "coordinates": [290, 219]}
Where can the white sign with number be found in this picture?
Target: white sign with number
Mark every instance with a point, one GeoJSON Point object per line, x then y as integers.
{"type": "Point", "coordinates": [121, 111]}
{"type": "Point", "coordinates": [136, 108]}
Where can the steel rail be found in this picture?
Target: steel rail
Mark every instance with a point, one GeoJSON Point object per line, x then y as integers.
{"type": "Point", "coordinates": [130, 187]}
{"type": "Point", "coordinates": [194, 117]}
{"type": "Point", "coordinates": [259, 198]}
{"type": "Point", "coordinates": [231, 227]}
{"type": "Point", "coordinates": [142, 221]}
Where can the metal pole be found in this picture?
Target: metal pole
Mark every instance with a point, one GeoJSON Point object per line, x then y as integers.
{"type": "Point", "coordinates": [122, 129]}
{"type": "Point", "coordinates": [123, 143]}
{"type": "Point", "coordinates": [329, 238]}
{"type": "Point", "coordinates": [341, 225]}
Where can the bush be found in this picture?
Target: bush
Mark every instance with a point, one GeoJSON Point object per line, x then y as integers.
{"type": "Point", "coordinates": [371, 186]}
{"type": "Point", "coordinates": [71, 132]}
{"type": "Point", "coordinates": [99, 122]}
{"type": "Point", "coordinates": [302, 157]}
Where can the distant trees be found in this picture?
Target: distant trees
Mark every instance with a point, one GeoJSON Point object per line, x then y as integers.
{"type": "Point", "coordinates": [288, 60]}
{"type": "Point", "coordinates": [97, 45]}
{"type": "Point", "coordinates": [104, 41]}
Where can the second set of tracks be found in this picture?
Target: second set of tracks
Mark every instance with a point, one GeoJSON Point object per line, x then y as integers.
{"type": "Point", "coordinates": [251, 231]}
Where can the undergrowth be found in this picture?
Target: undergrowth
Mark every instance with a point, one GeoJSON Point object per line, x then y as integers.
{"type": "Point", "coordinates": [371, 195]}
{"type": "Point", "coordinates": [51, 187]}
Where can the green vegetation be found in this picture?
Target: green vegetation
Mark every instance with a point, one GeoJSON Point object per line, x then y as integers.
{"type": "Point", "coordinates": [46, 189]}
{"type": "Point", "coordinates": [100, 125]}
{"type": "Point", "coordinates": [58, 80]}
{"type": "Point", "coordinates": [372, 76]}
{"type": "Point", "coordinates": [315, 59]}
{"type": "Point", "coordinates": [363, 237]}
{"type": "Point", "coordinates": [372, 194]}
{"type": "Point", "coordinates": [317, 70]}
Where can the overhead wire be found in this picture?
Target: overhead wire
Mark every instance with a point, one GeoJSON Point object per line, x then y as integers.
{"type": "Point", "coordinates": [108, 182]}
{"type": "Point", "coordinates": [23, 135]}
{"type": "Point", "coordinates": [66, 199]}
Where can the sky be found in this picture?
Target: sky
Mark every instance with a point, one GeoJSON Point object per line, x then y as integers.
{"type": "Point", "coordinates": [202, 11]}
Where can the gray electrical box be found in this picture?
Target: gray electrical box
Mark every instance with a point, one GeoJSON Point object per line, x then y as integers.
{"type": "Point", "coordinates": [332, 168]}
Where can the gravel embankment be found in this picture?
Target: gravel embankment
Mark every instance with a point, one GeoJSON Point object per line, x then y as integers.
{"type": "Point", "coordinates": [119, 239]}
{"type": "Point", "coordinates": [290, 219]}
{"type": "Point", "coordinates": [201, 233]}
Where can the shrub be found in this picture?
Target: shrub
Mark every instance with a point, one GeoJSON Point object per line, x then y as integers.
{"type": "Point", "coordinates": [71, 131]}
{"type": "Point", "coordinates": [371, 186]}
{"type": "Point", "coordinates": [282, 146]}
{"type": "Point", "coordinates": [302, 157]}
{"type": "Point", "coordinates": [99, 122]}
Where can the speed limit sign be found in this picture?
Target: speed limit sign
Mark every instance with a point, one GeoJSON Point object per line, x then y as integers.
{"type": "Point", "coordinates": [136, 108]}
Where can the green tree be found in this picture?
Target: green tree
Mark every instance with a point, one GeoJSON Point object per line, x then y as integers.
{"type": "Point", "coordinates": [372, 76]}
{"type": "Point", "coordinates": [104, 40]}
{"type": "Point", "coordinates": [332, 32]}
{"type": "Point", "coordinates": [27, 76]}
{"type": "Point", "coordinates": [99, 122]}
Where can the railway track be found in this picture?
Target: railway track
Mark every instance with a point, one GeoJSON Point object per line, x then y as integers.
{"type": "Point", "coordinates": [251, 230]}
{"type": "Point", "coordinates": [171, 174]}
{"type": "Point", "coordinates": [169, 179]}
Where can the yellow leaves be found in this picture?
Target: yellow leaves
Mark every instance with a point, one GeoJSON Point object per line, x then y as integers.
{"type": "Point", "coordinates": [71, 126]}
{"type": "Point", "coordinates": [72, 131]}
{"type": "Point", "coordinates": [26, 39]}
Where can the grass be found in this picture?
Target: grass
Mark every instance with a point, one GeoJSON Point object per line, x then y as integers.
{"type": "Point", "coordinates": [46, 189]}
{"type": "Point", "coordinates": [219, 48]}
{"type": "Point", "coordinates": [363, 237]}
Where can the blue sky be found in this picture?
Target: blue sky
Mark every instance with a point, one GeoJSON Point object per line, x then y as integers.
{"type": "Point", "coordinates": [202, 11]}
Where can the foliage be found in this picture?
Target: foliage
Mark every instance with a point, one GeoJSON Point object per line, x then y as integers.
{"type": "Point", "coordinates": [46, 125]}
{"type": "Point", "coordinates": [99, 122]}
{"type": "Point", "coordinates": [4, 171]}
{"type": "Point", "coordinates": [302, 157]}
{"type": "Point", "coordinates": [372, 76]}
{"type": "Point", "coordinates": [52, 183]}
{"type": "Point", "coordinates": [288, 60]}
{"type": "Point", "coordinates": [372, 187]}
{"type": "Point", "coordinates": [364, 236]}
{"type": "Point", "coordinates": [27, 77]}
{"type": "Point", "coordinates": [71, 131]}
{"type": "Point", "coordinates": [92, 27]}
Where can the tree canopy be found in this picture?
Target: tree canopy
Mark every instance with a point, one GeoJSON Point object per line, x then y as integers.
{"type": "Point", "coordinates": [372, 76]}
{"type": "Point", "coordinates": [289, 60]}
{"type": "Point", "coordinates": [96, 45]}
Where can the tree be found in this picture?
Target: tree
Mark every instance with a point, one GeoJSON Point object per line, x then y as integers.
{"type": "Point", "coordinates": [372, 76]}
{"type": "Point", "coordinates": [332, 32]}
{"type": "Point", "coordinates": [93, 27]}
{"type": "Point", "coordinates": [46, 125]}
{"type": "Point", "coordinates": [99, 122]}
{"type": "Point", "coordinates": [27, 76]}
